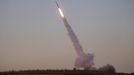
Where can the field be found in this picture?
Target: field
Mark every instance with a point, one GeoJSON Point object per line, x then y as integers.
{"type": "Point", "coordinates": [60, 72]}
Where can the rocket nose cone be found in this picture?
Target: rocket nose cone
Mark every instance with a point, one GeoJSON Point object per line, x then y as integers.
{"type": "Point", "coordinates": [57, 4]}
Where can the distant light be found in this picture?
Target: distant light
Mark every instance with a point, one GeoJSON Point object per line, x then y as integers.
{"type": "Point", "coordinates": [61, 13]}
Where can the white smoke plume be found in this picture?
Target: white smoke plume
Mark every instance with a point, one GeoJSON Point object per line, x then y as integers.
{"type": "Point", "coordinates": [83, 60]}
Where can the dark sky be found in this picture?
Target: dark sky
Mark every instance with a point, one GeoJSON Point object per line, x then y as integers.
{"type": "Point", "coordinates": [32, 35]}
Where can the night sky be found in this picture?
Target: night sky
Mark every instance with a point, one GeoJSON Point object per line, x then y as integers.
{"type": "Point", "coordinates": [33, 36]}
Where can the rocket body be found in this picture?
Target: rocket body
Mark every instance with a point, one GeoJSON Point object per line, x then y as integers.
{"type": "Point", "coordinates": [57, 4]}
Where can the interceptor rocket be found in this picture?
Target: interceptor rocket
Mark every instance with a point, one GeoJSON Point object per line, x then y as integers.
{"type": "Point", "coordinates": [71, 34]}
{"type": "Point", "coordinates": [83, 60]}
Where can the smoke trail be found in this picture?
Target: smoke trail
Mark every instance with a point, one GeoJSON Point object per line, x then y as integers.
{"type": "Point", "coordinates": [83, 60]}
{"type": "Point", "coordinates": [73, 38]}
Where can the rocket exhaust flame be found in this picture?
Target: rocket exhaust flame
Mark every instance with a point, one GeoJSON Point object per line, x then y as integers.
{"type": "Point", "coordinates": [61, 13]}
{"type": "Point", "coordinates": [83, 60]}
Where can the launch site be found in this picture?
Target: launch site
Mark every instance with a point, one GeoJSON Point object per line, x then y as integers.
{"type": "Point", "coordinates": [67, 37]}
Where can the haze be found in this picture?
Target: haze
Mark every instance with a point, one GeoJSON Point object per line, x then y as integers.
{"type": "Point", "coordinates": [32, 35]}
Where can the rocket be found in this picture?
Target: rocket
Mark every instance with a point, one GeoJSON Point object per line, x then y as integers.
{"type": "Point", "coordinates": [83, 60]}
{"type": "Point", "coordinates": [61, 13]}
